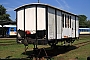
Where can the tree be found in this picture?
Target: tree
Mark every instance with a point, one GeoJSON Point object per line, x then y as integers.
{"type": "Point", "coordinates": [3, 14]}
{"type": "Point", "coordinates": [88, 23]}
{"type": "Point", "coordinates": [82, 21]}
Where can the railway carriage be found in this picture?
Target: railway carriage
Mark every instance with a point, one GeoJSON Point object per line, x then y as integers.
{"type": "Point", "coordinates": [42, 22]}
{"type": "Point", "coordinates": [8, 30]}
{"type": "Point", "coordinates": [84, 31]}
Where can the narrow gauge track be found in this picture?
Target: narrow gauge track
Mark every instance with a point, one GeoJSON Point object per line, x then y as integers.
{"type": "Point", "coordinates": [82, 44]}
{"type": "Point", "coordinates": [77, 44]}
{"type": "Point", "coordinates": [8, 38]}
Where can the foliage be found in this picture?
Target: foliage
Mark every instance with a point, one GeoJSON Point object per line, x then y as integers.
{"type": "Point", "coordinates": [3, 14]}
{"type": "Point", "coordinates": [88, 23]}
{"type": "Point", "coordinates": [83, 22]}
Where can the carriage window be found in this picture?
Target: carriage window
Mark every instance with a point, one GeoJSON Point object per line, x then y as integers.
{"type": "Point", "coordinates": [80, 29]}
{"type": "Point", "coordinates": [12, 29]}
{"type": "Point", "coordinates": [62, 20]}
{"type": "Point", "coordinates": [67, 21]}
{"type": "Point", "coordinates": [86, 30]}
{"type": "Point", "coordinates": [70, 22]}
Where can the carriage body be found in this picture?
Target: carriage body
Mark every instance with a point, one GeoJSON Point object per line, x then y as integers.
{"type": "Point", "coordinates": [45, 22]}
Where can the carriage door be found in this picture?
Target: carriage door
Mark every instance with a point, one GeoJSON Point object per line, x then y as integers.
{"type": "Point", "coordinates": [73, 27]}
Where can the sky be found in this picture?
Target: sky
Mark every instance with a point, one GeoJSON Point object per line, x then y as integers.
{"type": "Point", "coordinates": [79, 7]}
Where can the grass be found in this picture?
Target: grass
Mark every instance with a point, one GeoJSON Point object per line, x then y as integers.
{"type": "Point", "coordinates": [9, 48]}
{"type": "Point", "coordinates": [80, 53]}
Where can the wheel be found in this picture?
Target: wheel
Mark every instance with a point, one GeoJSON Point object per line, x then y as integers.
{"type": "Point", "coordinates": [53, 43]}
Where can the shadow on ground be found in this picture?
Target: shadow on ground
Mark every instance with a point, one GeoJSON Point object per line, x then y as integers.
{"type": "Point", "coordinates": [49, 52]}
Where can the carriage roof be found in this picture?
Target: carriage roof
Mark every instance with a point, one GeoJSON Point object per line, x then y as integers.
{"type": "Point", "coordinates": [42, 4]}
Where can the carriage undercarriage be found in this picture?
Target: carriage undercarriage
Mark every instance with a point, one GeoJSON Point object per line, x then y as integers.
{"type": "Point", "coordinates": [40, 39]}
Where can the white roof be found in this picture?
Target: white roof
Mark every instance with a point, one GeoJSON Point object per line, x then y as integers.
{"type": "Point", "coordinates": [84, 28]}
{"type": "Point", "coordinates": [8, 26]}
{"type": "Point", "coordinates": [42, 4]}
{"type": "Point", "coordinates": [1, 26]}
